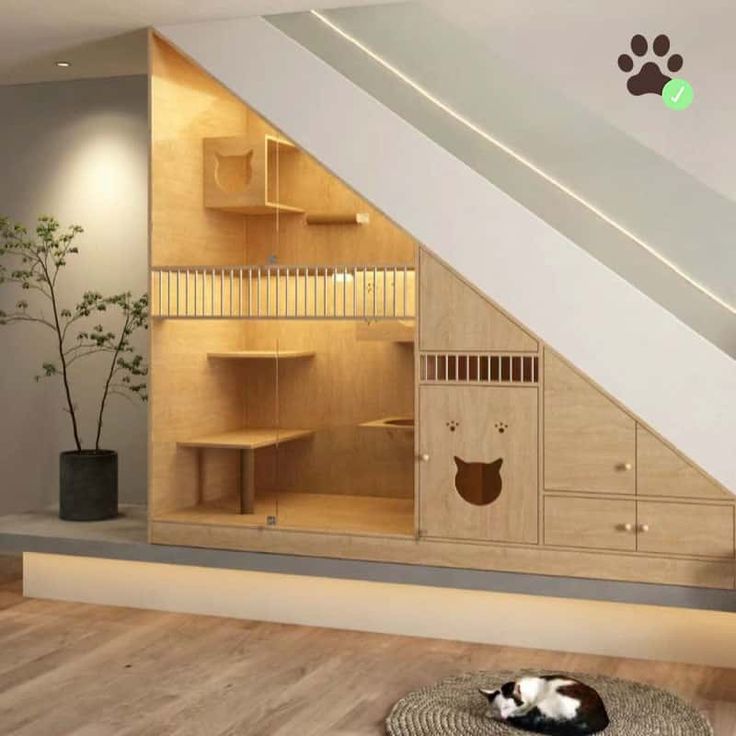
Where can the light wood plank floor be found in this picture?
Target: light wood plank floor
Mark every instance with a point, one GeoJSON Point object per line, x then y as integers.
{"type": "Point", "coordinates": [99, 671]}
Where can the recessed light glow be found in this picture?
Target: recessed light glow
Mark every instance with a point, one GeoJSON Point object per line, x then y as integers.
{"type": "Point", "coordinates": [521, 159]}
{"type": "Point", "coordinates": [63, 64]}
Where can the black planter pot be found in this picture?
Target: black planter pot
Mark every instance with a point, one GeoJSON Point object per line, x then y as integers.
{"type": "Point", "coordinates": [88, 489]}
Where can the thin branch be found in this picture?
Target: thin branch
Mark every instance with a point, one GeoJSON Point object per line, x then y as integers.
{"type": "Point", "coordinates": [7, 319]}
{"type": "Point", "coordinates": [75, 358]}
{"type": "Point", "coordinates": [113, 369]}
{"type": "Point", "coordinates": [93, 346]}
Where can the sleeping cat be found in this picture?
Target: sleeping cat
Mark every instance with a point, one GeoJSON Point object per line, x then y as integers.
{"type": "Point", "coordinates": [549, 704]}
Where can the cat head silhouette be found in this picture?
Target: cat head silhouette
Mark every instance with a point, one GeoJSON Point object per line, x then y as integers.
{"type": "Point", "coordinates": [478, 483]}
{"type": "Point", "coordinates": [233, 173]}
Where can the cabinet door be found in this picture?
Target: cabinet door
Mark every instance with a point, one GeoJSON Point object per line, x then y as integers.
{"type": "Point", "coordinates": [686, 529]}
{"type": "Point", "coordinates": [589, 442]}
{"type": "Point", "coordinates": [662, 472]}
{"type": "Point", "coordinates": [595, 523]}
{"type": "Point", "coordinates": [465, 492]}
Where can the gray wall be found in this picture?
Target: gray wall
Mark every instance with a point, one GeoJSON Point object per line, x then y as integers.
{"type": "Point", "coordinates": [76, 150]}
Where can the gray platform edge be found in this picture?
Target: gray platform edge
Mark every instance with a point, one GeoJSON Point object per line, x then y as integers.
{"type": "Point", "coordinates": [441, 577]}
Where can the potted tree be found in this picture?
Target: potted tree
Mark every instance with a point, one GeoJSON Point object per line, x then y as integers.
{"type": "Point", "coordinates": [32, 262]}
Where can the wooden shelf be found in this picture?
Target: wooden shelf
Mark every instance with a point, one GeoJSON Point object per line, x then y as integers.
{"type": "Point", "coordinates": [404, 424]}
{"type": "Point", "coordinates": [247, 439]}
{"type": "Point", "coordinates": [386, 330]}
{"type": "Point", "coordinates": [262, 354]}
{"type": "Point", "coordinates": [331, 513]}
{"type": "Point", "coordinates": [268, 208]}
{"type": "Point", "coordinates": [339, 218]}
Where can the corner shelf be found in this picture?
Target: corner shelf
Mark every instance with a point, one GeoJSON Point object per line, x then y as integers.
{"type": "Point", "coordinates": [404, 424]}
{"type": "Point", "coordinates": [267, 208]}
{"type": "Point", "coordinates": [401, 331]}
{"type": "Point", "coordinates": [340, 218]}
{"type": "Point", "coordinates": [262, 354]}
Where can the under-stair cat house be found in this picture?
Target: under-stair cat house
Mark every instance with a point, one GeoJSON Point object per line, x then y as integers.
{"type": "Point", "coordinates": [322, 384]}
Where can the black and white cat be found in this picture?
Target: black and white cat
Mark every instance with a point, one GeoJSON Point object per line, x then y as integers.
{"type": "Point", "coordinates": [549, 704]}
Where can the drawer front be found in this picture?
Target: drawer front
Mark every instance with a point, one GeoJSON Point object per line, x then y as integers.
{"type": "Point", "coordinates": [594, 523]}
{"type": "Point", "coordinates": [686, 529]}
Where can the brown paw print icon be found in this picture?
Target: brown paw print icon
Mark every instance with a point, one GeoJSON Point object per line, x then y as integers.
{"type": "Point", "coordinates": [649, 79]}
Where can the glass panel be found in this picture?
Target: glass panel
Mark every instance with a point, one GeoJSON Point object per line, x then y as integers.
{"type": "Point", "coordinates": [332, 291]}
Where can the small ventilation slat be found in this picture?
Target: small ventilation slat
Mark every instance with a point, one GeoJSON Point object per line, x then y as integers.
{"type": "Point", "coordinates": [480, 368]}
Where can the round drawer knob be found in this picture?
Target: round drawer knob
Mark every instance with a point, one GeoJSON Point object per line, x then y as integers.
{"type": "Point", "coordinates": [643, 527]}
{"type": "Point", "coordinates": [628, 527]}
{"type": "Point", "coordinates": [627, 466]}
{"type": "Point", "coordinates": [424, 458]}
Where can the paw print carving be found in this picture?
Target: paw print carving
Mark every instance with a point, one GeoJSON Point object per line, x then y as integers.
{"type": "Point", "coordinates": [452, 425]}
{"type": "Point", "coordinates": [649, 79]}
{"type": "Point", "coordinates": [501, 427]}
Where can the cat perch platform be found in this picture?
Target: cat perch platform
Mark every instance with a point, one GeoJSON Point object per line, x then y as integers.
{"type": "Point", "coordinates": [243, 175]}
{"type": "Point", "coordinates": [247, 441]}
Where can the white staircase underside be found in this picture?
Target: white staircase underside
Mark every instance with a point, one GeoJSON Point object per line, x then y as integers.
{"type": "Point", "coordinates": [676, 381]}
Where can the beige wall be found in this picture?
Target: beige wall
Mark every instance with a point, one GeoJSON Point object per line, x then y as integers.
{"type": "Point", "coordinates": [78, 151]}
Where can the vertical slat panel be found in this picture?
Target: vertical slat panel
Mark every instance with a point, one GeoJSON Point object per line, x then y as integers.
{"type": "Point", "coordinates": [204, 297]}
{"type": "Point", "coordinates": [375, 291]}
{"type": "Point", "coordinates": [258, 293]}
{"type": "Point", "coordinates": [316, 290]}
{"type": "Point", "coordinates": [296, 291]}
{"type": "Point", "coordinates": [344, 291]}
{"type": "Point", "coordinates": [160, 291]}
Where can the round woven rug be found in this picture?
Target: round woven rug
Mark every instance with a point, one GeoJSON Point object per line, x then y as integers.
{"type": "Point", "coordinates": [454, 707]}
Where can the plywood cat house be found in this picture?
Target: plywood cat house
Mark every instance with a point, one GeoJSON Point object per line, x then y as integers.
{"type": "Point", "coordinates": [321, 384]}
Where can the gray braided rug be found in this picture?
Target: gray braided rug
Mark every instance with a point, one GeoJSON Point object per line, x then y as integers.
{"type": "Point", "coordinates": [454, 707]}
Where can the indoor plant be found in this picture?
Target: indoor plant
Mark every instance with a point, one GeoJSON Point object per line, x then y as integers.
{"type": "Point", "coordinates": [32, 261]}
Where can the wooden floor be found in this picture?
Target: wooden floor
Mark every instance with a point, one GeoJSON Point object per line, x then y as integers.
{"type": "Point", "coordinates": [312, 511]}
{"type": "Point", "coordinates": [97, 671]}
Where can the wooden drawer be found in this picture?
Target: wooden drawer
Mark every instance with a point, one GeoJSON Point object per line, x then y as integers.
{"type": "Point", "coordinates": [686, 529]}
{"type": "Point", "coordinates": [595, 523]}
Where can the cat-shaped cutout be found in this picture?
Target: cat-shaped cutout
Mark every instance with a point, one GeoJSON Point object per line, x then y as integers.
{"type": "Point", "coordinates": [478, 483]}
{"type": "Point", "coordinates": [233, 173]}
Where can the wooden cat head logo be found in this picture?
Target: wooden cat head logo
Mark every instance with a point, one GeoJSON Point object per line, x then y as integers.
{"type": "Point", "coordinates": [479, 483]}
{"type": "Point", "coordinates": [233, 173]}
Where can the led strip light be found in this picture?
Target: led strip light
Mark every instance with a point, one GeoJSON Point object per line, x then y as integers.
{"type": "Point", "coordinates": [499, 144]}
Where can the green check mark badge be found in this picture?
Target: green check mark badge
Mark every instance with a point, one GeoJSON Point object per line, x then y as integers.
{"type": "Point", "coordinates": [678, 94]}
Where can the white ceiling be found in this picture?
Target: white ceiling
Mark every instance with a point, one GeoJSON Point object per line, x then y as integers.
{"type": "Point", "coordinates": [104, 38]}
